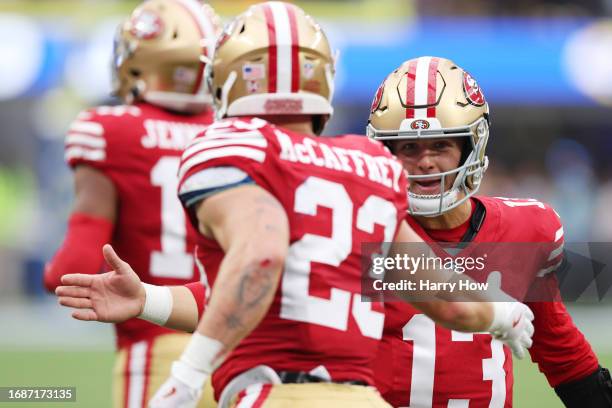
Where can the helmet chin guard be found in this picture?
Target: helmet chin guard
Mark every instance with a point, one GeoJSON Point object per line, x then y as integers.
{"type": "Point", "coordinates": [430, 206]}
{"type": "Point", "coordinates": [433, 205]}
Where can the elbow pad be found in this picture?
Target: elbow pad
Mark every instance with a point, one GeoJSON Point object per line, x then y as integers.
{"type": "Point", "coordinates": [81, 251]}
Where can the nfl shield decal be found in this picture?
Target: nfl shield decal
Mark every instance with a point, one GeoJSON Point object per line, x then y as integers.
{"type": "Point", "coordinates": [472, 91]}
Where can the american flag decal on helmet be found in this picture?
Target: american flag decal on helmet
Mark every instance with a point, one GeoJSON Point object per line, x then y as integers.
{"type": "Point", "coordinates": [421, 89]}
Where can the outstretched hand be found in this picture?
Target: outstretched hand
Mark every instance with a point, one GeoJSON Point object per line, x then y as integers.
{"type": "Point", "coordinates": [112, 297]}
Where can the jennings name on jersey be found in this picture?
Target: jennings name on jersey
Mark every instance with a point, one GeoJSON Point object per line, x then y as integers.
{"type": "Point", "coordinates": [138, 147]}
{"type": "Point", "coordinates": [337, 193]}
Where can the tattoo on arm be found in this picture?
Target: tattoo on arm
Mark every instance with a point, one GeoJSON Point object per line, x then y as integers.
{"type": "Point", "coordinates": [233, 321]}
{"type": "Point", "coordinates": [255, 284]}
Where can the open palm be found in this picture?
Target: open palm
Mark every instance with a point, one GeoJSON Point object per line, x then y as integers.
{"type": "Point", "coordinates": [113, 296]}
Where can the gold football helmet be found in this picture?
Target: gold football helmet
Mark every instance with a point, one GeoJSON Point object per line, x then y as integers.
{"type": "Point", "coordinates": [431, 97]}
{"type": "Point", "coordinates": [272, 60]}
{"type": "Point", "coordinates": [160, 54]}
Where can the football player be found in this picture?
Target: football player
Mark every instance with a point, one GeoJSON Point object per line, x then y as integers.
{"type": "Point", "coordinates": [281, 216]}
{"type": "Point", "coordinates": [435, 119]}
{"type": "Point", "coordinates": [125, 159]}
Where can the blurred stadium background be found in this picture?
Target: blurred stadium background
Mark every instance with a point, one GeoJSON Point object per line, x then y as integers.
{"type": "Point", "coordinates": [545, 67]}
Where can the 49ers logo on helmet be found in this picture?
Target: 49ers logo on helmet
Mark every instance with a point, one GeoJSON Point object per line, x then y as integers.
{"type": "Point", "coordinates": [419, 124]}
{"type": "Point", "coordinates": [146, 25]}
{"type": "Point", "coordinates": [377, 98]}
{"type": "Point", "coordinates": [472, 91]}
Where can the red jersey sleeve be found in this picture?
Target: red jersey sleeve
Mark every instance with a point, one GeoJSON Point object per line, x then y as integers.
{"type": "Point", "coordinates": [95, 137]}
{"type": "Point", "coordinates": [561, 351]}
{"type": "Point", "coordinates": [559, 348]}
{"type": "Point", "coordinates": [228, 154]}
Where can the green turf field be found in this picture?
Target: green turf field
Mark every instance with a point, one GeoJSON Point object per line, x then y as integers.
{"type": "Point", "coordinates": [531, 388]}
{"type": "Point", "coordinates": [90, 373]}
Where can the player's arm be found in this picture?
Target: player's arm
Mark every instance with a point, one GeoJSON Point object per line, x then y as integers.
{"type": "Point", "coordinates": [119, 295]}
{"type": "Point", "coordinates": [567, 360]}
{"type": "Point", "coordinates": [252, 228]}
{"type": "Point", "coordinates": [507, 321]}
{"type": "Point", "coordinates": [90, 226]}
{"type": "Point", "coordinates": [464, 316]}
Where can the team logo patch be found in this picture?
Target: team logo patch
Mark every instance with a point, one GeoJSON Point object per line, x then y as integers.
{"type": "Point", "coordinates": [377, 98]}
{"type": "Point", "coordinates": [419, 124]}
{"type": "Point", "coordinates": [146, 25]}
{"type": "Point", "coordinates": [286, 106]}
{"type": "Point", "coordinates": [472, 91]}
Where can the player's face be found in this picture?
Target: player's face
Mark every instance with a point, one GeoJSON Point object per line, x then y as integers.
{"type": "Point", "coordinates": [429, 157]}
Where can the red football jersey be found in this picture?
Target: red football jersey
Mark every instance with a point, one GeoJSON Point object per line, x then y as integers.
{"type": "Point", "coordinates": [423, 365]}
{"type": "Point", "coordinates": [337, 193]}
{"type": "Point", "coordinates": [139, 147]}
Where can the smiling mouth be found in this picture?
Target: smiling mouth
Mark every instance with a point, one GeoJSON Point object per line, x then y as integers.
{"type": "Point", "coordinates": [426, 186]}
{"type": "Point", "coordinates": [427, 183]}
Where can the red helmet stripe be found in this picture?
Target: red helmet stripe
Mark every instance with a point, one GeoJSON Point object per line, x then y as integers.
{"type": "Point", "coordinates": [410, 88]}
{"type": "Point", "coordinates": [197, 88]}
{"type": "Point", "coordinates": [432, 87]}
{"type": "Point", "coordinates": [272, 49]}
{"type": "Point", "coordinates": [295, 44]}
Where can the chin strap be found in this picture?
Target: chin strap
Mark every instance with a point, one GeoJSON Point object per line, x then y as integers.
{"type": "Point", "coordinates": [476, 221]}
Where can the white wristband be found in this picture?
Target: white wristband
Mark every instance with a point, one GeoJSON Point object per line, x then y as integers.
{"type": "Point", "coordinates": [158, 304]}
{"type": "Point", "coordinates": [500, 316]}
{"type": "Point", "coordinates": [201, 355]}
{"type": "Point", "coordinates": [188, 375]}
